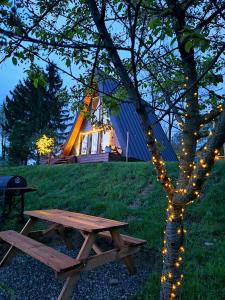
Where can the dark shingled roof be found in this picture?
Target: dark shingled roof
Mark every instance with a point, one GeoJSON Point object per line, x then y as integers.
{"type": "Point", "coordinates": [128, 121]}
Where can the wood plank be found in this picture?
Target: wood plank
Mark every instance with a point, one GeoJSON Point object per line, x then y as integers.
{"type": "Point", "coordinates": [119, 244]}
{"type": "Point", "coordinates": [93, 157]}
{"type": "Point", "coordinates": [109, 256]}
{"type": "Point", "coordinates": [12, 250]}
{"type": "Point", "coordinates": [87, 246]}
{"type": "Point", "coordinates": [68, 287]}
{"type": "Point", "coordinates": [73, 278]}
{"type": "Point", "coordinates": [76, 220]}
{"type": "Point", "coordinates": [86, 218]}
{"type": "Point", "coordinates": [103, 258]}
{"type": "Point", "coordinates": [58, 261]}
{"type": "Point", "coordinates": [100, 157]}
{"type": "Point", "coordinates": [95, 261]}
{"type": "Point", "coordinates": [96, 249]}
{"type": "Point", "coordinates": [129, 240]}
{"type": "Point", "coordinates": [40, 234]}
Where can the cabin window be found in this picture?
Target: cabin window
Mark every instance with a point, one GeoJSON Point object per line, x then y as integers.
{"type": "Point", "coordinates": [83, 144]}
{"type": "Point", "coordinates": [96, 140]}
{"type": "Point", "coordinates": [96, 109]}
{"type": "Point", "coordinates": [105, 139]}
{"type": "Point", "coordinates": [94, 143]}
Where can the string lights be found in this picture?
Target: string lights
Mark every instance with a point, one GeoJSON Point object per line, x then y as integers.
{"type": "Point", "coordinates": [186, 192]}
{"type": "Point", "coordinates": [159, 165]}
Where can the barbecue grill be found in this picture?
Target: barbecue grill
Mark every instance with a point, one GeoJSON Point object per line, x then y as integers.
{"type": "Point", "coordinates": [12, 190]}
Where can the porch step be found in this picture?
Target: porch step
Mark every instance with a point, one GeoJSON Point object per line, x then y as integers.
{"type": "Point", "coordinates": [66, 160]}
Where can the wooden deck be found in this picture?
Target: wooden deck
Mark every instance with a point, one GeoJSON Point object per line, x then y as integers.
{"type": "Point", "coordinates": [82, 159]}
{"type": "Point", "coordinates": [101, 157]}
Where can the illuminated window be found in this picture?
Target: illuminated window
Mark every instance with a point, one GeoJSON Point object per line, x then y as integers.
{"type": "Point", "coordinates": [84, 144]}
{"type": "Point", "coordinates": [105, 140]}
{"type": "Point", "coordinates": [94, 143]}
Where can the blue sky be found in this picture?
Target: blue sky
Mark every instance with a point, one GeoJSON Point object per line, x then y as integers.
{"type": "Point", "coordinates": [10, 75]}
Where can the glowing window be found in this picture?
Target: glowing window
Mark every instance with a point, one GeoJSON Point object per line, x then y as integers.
{"type": "Point", "coordinates": [94, 143]}
{"type": "Point", "coordinates": [84, 144]}
{"type": "Point", "coordinates": [105, 140]}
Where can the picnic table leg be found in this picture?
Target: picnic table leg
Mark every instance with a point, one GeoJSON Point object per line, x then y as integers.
{"type": "Point", "coordinates": [50, 230]}
{"type": "Point", "coordinates": [119, 244]}
{"type": "Point", "coordinates": [68, 287]}
{"type": "Point", "coordinates": [72, 279]}
{"type": "Point", "coordinates": [61, 230]}
{"type": "Point", "coordinates": [22, 209]}
{"type": "Point", "coordinates": [12, 250]}
{"type": "Point", "coordinates": [96, 249]}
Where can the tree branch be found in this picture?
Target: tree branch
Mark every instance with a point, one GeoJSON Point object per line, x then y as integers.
{"type": "Point", "coordinates": [77, 45]}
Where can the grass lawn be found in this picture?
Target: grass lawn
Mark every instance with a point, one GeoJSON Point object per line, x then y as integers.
{"type": "Point", "coordinates": [131, 193]}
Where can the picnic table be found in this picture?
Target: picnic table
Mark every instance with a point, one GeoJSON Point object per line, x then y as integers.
{"type": "Point", "coordinates": [66, 267]}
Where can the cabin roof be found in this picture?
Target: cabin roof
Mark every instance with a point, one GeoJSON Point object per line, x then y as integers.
{"type": "Point", "coordinates": [128, 121]}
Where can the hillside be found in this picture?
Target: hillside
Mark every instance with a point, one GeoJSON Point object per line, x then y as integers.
{"type": "Point", "coordinates": [131, 193]}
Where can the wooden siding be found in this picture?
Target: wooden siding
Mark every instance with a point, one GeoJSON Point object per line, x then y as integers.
{"type": "Point", "coordinates": [102, 157]}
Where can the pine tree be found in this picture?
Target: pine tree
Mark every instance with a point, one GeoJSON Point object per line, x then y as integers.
{"type": "Point", "coordinates": [32, 110]}
{"type": "Point", "coordinates": [3, 135]}
{"type": "Point", "coordinates": [56, 99]}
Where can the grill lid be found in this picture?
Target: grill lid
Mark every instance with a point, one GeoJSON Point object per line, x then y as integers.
{"type": "Point", "coordinates": [12, 182]}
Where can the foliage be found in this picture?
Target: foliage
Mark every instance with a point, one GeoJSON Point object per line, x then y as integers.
{"type": "Point", "coordinates": [157, 59]}
{"type": "Point", "coordinates": [34, 109]}
{"type": "Point", "coordinates": [104, 190]}
{"type": "Point", "coordinates": [45, 145]}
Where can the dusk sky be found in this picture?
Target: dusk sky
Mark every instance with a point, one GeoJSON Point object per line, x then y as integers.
{"type": "Point", "coordinates": [10, 75]}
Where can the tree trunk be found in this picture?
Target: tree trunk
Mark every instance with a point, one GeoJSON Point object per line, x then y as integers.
{"type": "Point", "coordinates": [173, 250]}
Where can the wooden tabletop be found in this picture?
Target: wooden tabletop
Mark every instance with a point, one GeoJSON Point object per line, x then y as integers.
{"type": "Point", "coordinates": [76, 220]}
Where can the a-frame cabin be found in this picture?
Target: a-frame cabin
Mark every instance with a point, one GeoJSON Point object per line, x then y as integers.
{"type": "Point", "coordinates": [123, 139]}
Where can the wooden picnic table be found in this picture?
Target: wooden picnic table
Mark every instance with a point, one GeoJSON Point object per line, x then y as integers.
{"type": "Point", "coordinates": [66, 267]}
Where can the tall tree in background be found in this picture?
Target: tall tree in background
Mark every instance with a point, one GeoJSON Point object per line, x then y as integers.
{"type": "Point", "coordinates": [35, 107]}
{"type": "Point", "coordinates": [175, 46]}
{"type": "Point", "coordinates": [3, 134]}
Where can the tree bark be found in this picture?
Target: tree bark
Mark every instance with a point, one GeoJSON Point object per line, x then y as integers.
{"type": "Point", "coordinates": [173, 251]}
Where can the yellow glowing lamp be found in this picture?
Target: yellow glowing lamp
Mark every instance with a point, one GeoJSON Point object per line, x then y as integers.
{"type": "Point", "coordinates": [45, 145]}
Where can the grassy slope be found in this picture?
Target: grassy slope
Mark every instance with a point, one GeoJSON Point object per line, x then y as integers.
{"type": "Point", "coordinates": [130, 192]}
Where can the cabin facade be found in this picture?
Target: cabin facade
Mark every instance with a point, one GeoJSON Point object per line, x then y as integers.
{"type": "Point", "coordinates": [112, 137]}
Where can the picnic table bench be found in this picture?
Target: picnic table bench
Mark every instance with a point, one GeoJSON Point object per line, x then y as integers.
{"type": "Point", "coordinates": [66, 267]}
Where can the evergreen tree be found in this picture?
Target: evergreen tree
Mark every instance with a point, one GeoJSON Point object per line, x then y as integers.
{"type": "Point", "coordinates": [32, 110]}
{"type": "Point", "coordinates": [3, 135]}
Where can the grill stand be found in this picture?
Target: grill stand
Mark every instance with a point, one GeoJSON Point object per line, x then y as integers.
{"type": "Point", "coordinates": [10, 197]}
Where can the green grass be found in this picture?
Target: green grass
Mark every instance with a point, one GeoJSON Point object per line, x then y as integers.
{"type": "Point", "coordinates": [131, 193]}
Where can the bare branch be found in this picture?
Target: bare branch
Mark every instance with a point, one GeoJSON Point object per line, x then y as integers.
{"type": "Point", "coordinates": [75, 45]}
